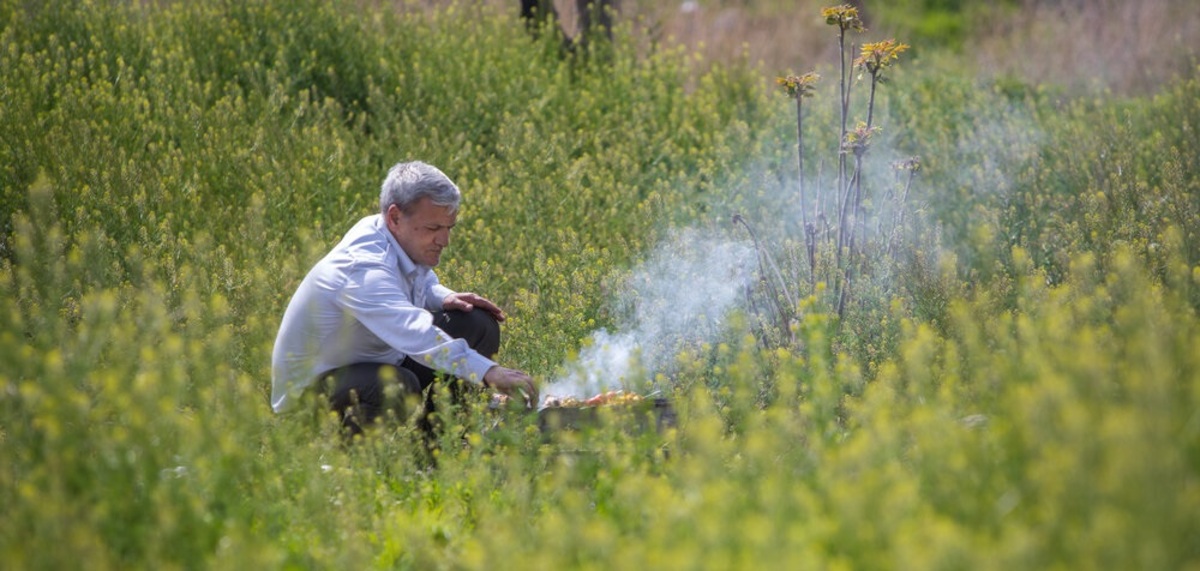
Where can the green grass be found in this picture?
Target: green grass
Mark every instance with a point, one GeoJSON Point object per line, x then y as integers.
{"type": "Point", "coordinates": [1015, 387]}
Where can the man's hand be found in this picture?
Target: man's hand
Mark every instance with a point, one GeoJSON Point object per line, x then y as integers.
{"type": "Point", "coordinates": [469, 301]}
{"type": "Point", "coordinates": [513, 383]}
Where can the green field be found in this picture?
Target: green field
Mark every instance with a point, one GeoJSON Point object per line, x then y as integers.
{"type": "Point", "coordinates": [992, 361]}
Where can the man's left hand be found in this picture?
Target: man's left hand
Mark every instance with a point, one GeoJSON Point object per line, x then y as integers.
{"type": "Point", "coordinates": [468, 301]}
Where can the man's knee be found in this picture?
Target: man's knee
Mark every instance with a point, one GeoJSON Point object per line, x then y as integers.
{"type": "Point", "coordinates": [489, 328]}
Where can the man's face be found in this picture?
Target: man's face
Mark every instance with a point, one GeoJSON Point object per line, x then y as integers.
{"type": "Point", "coordinates": [423, 230]}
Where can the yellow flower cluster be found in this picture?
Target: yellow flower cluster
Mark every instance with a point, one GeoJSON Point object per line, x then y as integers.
{"type": "Point", "coordinates": [797, 86]}
{"type": "Point", "coordinates": [877, 56]}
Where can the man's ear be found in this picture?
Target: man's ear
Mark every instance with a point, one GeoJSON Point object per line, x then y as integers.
{"type": "Point", "coordinates": [393, 215]}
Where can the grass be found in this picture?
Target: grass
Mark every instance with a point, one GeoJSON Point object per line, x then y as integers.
{"type": "Point", "coordinates": [1014, 384]}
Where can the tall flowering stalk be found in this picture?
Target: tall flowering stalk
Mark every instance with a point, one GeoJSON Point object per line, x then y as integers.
{"type": "Point", "coordinates": [799, 87]}
{"type": "Point", "coordinates": [856, 143]}
{"type": "Point", "coordinates": [845, 18]}
{"type": "Point", "coordinates": [875, 59]}
{"type": "Point", "coordinates": [832, 254]}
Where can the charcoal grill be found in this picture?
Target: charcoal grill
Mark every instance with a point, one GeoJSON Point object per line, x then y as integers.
{"type": "Point", "coordinates": [648, 414]}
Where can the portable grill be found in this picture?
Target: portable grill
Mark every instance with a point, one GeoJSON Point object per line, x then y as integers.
{"type": "Point", "coordinates": [647, 414]}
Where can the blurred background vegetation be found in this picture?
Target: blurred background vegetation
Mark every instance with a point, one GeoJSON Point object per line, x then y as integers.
{"type": "Point", "coordinates": [1084, 45]}
{"type": "Point", "coordinates": [1015, 383]}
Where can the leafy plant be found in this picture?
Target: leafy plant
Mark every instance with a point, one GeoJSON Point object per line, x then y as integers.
{"type": "Point", "coordinates": [835, 244]}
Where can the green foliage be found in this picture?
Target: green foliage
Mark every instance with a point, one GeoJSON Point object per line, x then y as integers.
{"type": "Point", "coordinates": [937, 23]}
{"type": "Point", "coordinates": [1054, 176]}
{"type": "Point", "coordinates": [1015, 388]}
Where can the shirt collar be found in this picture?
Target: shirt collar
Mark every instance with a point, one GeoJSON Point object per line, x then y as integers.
{"type": "Point", "coordinates": [406, 265]}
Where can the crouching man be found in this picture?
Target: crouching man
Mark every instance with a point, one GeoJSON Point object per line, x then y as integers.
{"type": "Point", "coordinates": [372, 313]}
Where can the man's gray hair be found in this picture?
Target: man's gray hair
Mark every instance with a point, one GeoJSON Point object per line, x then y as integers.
{"type": "Point", "coordinates": [406, 183]}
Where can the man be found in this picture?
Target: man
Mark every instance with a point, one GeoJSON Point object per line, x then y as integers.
{"type": "Point", "coordinates": [372, 314]}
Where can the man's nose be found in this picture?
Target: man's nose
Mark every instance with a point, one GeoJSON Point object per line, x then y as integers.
{"type": "Point", "coordinates": [442, 237]}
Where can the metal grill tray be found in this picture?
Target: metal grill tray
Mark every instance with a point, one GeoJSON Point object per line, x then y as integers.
{"type": "Point", "coordinates": [656, 414]}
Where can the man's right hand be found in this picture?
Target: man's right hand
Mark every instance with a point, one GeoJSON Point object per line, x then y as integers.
{"type": "Point", "coordinates": [513, 383]}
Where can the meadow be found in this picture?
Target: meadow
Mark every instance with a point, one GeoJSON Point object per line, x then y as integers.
{"type": "Point", "coordinates": [974, 346]}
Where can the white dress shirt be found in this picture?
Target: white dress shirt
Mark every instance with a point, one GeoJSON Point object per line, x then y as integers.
{"type": "Point", "coordinates": [365, 302]}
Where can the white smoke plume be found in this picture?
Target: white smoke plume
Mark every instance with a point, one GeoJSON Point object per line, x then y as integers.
{"type": "Point", "coordinates": [680, 296]}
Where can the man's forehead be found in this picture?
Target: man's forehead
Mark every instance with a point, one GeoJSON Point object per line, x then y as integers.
{"type": "Point", "coordinates": [425, 208]}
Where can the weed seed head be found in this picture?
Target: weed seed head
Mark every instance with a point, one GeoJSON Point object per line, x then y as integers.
{"type": "Point", "coordinates": [859, 139]}
{"type": "Point", "coordinates": [797, 86]}
{"type": "Point", "coordinates": [912, 164]}
{"type": "Point", "coordinates": [844, 16]}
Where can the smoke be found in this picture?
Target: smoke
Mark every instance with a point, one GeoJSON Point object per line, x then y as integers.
{"type": "Point", "coordinates": [681, 296]}
{"type": "Point", "coordinates": [684, 292]}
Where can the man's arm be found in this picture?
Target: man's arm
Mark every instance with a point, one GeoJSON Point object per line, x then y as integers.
{"type": "Point", "coordinates": [376, 300]}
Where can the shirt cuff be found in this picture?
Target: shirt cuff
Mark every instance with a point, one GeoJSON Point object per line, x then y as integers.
{"type": "Point", "coordinates": [438, 297]}
{"type": "Point", "coordinates": [477, 366]}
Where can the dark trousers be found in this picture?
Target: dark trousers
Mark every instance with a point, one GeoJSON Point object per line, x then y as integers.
{"type": "Point", "coordinates": [366, 393]}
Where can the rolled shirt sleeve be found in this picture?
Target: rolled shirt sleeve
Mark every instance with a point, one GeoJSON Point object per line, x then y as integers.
{"type": "Point", "coordinates": [437, 293]}
{"type": "Point", "coordinates": [375, 298]}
